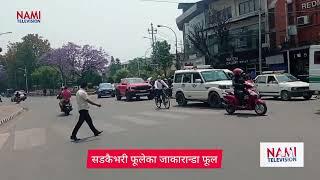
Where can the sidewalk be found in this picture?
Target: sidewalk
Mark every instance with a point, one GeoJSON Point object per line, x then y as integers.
{"type": "Point", "coordinates": [8, 112]}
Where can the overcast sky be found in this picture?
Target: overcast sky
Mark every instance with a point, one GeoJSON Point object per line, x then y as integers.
{"type": "Point", "coordinates": [118, 26]}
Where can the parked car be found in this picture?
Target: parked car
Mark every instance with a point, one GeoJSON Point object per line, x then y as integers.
{"type": "Point", "coordinates": [105, 90]}
{"type": "Point", "coordinates": [201, 84]}
{"type": "Point", "coordinates": [284, 85]}
{"type": "Point", "coordinates": [133, 87]}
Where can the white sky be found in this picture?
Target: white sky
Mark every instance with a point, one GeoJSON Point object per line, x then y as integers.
{"type": "Point", "coordinates": [118, 26]}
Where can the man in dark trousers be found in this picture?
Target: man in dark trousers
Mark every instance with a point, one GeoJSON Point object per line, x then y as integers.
{"type": "Point", "coordinates": [83, 102]}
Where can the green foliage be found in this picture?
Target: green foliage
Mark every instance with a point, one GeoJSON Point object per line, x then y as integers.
{"type": "Point", "coordinates": [91, 77]}
{"type": "Point", "coordinates": [120, 74]}
{"type": "Point", "coordinates": [24, 54]}
{"type": "Point", "coordinates": [114, 66]}
{"type": "Point", "coordinates": [46, 77]}
{"type": "Point", "coordinates": [162, 56]}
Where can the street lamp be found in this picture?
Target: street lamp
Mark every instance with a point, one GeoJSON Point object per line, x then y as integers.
{"type": "Point", "coordinates": [26, 76]}
{"type": "Point", "coordinates": [177, 60]}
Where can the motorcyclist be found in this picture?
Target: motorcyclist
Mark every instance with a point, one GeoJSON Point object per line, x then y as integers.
{"type": "Point", "coordinates": [159, 85]}
{"type": "Point", "coordinates": [65, 96]}
{"type": "Point", "coordinates": [238, 84]}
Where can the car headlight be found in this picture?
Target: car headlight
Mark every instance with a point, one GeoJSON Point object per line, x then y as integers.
{"type": "Point", "coordinates": [294, 89]}
{"type": "Point", "coordinates": [224, 87]}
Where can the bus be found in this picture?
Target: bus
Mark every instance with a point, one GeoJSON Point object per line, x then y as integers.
{"type": "Point", "coordinates": [314, 68]}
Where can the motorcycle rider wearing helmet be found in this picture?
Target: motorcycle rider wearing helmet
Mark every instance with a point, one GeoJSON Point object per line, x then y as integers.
{"type": "Point", "coordinates": [238, 84]}
{"type": "Point", "coordinates": [65, 96]}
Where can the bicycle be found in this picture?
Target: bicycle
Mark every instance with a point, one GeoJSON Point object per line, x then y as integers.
{"type": "Point", "coordinates": [164, 99]}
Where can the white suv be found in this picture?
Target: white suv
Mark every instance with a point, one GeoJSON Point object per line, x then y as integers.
{"type": "Point", "coordinates": [205, 85]}
{"type": "Point", "coordinates": [282, 85]}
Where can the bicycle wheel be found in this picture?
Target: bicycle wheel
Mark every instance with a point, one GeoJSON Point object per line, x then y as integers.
{"type": "Point", "coordinates": [157, 102]}
{"type": "Point", "coordinates": [166, 102]}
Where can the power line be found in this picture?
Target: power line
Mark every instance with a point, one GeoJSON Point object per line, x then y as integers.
{"type": "Point", "coordinates": [161, 1]}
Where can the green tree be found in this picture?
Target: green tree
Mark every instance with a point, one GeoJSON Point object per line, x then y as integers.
{"type": "Point", "coordinates": [46, 77]}
{"type": "Point", "coordinates": [162, 56]}
{"type": "Point", "coordinates": [22, 55]}
{"type": "Point", "coordinates": [114, 66]}
{"type": "Point", "coordinates": [120, 74]}
{"type": "Point", "coordinates": [91, 77]}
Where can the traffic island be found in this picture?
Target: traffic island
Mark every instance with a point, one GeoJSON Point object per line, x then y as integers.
{"type": "Point", "coordinates": [8, 112]}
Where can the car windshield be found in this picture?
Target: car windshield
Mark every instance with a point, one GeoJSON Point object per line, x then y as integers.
{"type": "Point", "coordinates": [286, 78]}
{"type": "Point", "coordinates": [210, 76]}
{"type": "Point", "coordinates": [105, 85]}
{"type": "Point", "coordinates": [135, 80]}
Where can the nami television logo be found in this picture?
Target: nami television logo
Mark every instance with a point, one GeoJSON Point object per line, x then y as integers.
{"type": "Point", "coordinates": [281, 154]}
{"type": "Point", "coordinates": [28, 16]}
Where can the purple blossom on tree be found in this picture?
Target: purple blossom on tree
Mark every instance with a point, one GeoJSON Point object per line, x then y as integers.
{"type": "Point", "coordinates": [72, 59]}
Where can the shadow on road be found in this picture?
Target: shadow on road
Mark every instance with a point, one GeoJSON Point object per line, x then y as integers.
{"type": "Point", "coordinates": [63, 115]}
{"type": "Point", "coordinates": [318, 112]}
{"type": "Point", "coordinates": [291, 100]}
{"type": "Point", "coordinates": [245, 115]}
{"type": "Point", "coordinates": [198, 105]}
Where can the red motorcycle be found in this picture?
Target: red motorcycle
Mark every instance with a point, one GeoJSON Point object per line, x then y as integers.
{"type": "Point", "coordinates": [252, 101]}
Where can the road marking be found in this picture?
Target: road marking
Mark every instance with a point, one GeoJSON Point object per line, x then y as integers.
{"type": "Point", "coordinates": [110, 128]}
{"type": "Point", "coordinates": [27, 139]}
{"type": "Point", "coordinates": [164, 114]}
{"type": "Point", "coordinates": [3, 139]}
{"type": "Point", "coordinates": [137, 120]}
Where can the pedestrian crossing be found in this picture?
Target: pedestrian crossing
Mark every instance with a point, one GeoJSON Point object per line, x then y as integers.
{"type": "Point", "coordinates": [36, 137]}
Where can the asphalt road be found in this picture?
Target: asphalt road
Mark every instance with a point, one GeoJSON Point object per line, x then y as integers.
{"type": "Point", "coordinates": [36, 144]}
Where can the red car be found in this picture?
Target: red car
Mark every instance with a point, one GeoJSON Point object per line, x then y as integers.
{"type": "Point", "coordinates": [133, 87]}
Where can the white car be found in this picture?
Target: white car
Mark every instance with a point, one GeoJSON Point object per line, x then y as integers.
{"type": "Point", "coordinates": [204, 85]}
{"type": "Point", "coordinates": [282, 85]}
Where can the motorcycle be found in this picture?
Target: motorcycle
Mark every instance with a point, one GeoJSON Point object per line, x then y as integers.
{"type": "Point", "coordinates": [18, 98]}
{"type": "Point", "coordinates": [66, 107]}
{"type": "Point", "coordinates": [252, 101]}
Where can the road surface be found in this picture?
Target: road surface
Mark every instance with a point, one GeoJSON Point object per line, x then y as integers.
{"type": "Point", "coordinates": [36, 144]}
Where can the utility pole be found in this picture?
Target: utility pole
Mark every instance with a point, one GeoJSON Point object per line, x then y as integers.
{"type": "Point", "coordinates": [260, 39]}
{"type": "Point", "coordinates": [152, 31]}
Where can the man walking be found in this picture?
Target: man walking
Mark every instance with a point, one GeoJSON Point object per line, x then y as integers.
{"type": "Point", "coordinates": [83, 105]}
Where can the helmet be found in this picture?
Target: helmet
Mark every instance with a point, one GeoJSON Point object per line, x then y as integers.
{"type": "Point", "coordinates": [237, 71]}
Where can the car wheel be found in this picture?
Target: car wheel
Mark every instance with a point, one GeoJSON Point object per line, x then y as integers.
{"type": "Point", "coordinates": [113, 95]}
{"type": "Point", "coordinates": [285, 96]}
{"type": "Point", "coordinates": [307, 97]}
{"type": "Point", "coordinates": [99, 96]}
{"type": "Point", "coordinates": [181, 100]}
{"type": "Point", "coordinates": [214, 100]}
{"type": "Point", "coordinates": [138, 98]}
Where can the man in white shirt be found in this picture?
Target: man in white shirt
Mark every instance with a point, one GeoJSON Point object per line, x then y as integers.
{"type": "Point", "coordinates": [159, 84]}
{"type": "Point", "coordinates": [83, 102]}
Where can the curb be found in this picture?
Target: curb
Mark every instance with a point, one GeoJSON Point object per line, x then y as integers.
{"type": "Point", "coordinates": [13, 115]}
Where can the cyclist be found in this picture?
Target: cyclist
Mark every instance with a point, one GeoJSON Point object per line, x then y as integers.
{"type": "Point", "coordinates": [159, 85]}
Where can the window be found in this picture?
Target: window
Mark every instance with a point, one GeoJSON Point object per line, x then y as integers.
{"type": "Point", "coordinates": [210, 76]}
{"type": "Point", "coordinates": [196, 76]}
{"type": "Point", "coordinates": [178, 78]}
{"type": "Point", "coordinates": [242, 42]}
{"type": "Point", "coordinates": [187, 78]}
{"type": "Point", "coordinates": [247, 6]}
{"type": "Point", "coordinates": [317, 57]}
{"type": "Point", "coordinates": [261, 79]}
{"type": "Point", "coordinates": [271, 79]}
{"type": "Point", "coordinates": [272, 21]}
